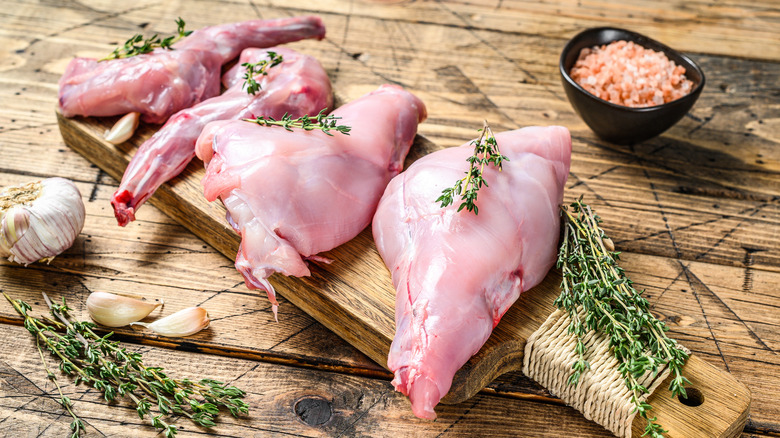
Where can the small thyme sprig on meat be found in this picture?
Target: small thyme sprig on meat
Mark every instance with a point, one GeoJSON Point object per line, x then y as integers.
{"type": "Point", "coordinates": [259, 68]}
{"type": "Point", "coordinates": [115, 372]}
{"type": "Point", "coordinates": [486, 152]}
{"type": "Point", "coordinates": [323, 122]}
{"type": "Point", "coordinates": [593, 281]}
{"type": "Point", "coordinates": [137, 45]}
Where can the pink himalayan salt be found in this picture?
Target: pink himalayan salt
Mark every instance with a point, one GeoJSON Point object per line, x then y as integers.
{"type": "Point", "coordinates": [627, 74]}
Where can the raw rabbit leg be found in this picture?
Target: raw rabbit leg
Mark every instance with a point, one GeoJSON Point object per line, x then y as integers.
{"type": "Point", "coordinates": [292, 195]}
{"type": "Point", "coordinates": [298, 86]}
{"type": "Point", "coordinates": [457, 273]}
{"type": "Point", "coordinates": [162, 82]}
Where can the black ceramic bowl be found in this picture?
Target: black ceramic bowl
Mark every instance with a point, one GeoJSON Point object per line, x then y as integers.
{"type": "Point", "coordinates": [621, 124]}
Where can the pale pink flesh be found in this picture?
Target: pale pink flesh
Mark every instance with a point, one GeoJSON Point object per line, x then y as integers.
{"type": "Point", "coordinates": [298, 86]}
{"type": "Point", "coordinates": [163, 82]}
{"type": "Point", "coordinates": [456, 274]}
{"type": "Point", "coordinates": [292, 195]}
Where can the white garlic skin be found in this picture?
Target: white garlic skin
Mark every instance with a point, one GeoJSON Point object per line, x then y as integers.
{"type": "Point", "coordinates": [185, 322]}
{"type": "Point", "coordinates": [44, 224]}
{"type": "Point", "coordinates": [113, 310]}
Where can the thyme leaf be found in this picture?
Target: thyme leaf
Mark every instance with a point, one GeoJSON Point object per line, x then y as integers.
{"type": "Point", "coordinates": [259, 68]}
{"type": "Point", "coordinates": [486, 152]}
{"type": "Point", "coordinates": [592, 280]}
{"type": "Point", "coordinates": [116, 372]}
{"type": "Point", "coordinates": [322, 122]}
{"type": "Point", "coordinates": [137, 45]}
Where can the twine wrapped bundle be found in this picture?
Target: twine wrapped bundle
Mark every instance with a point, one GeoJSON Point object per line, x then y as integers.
{"type": "Point", "coordinates": [601, 393]}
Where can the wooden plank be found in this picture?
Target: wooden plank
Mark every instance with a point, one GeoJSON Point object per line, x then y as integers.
{"type": "Point", "coordinates": [351, 406]}
{"type": "Point", "coordinates": [346, 405]}
{"type": "Point", "coordinates": [696, 27]}
{"type": "Point", "coordinates": [736, 29]}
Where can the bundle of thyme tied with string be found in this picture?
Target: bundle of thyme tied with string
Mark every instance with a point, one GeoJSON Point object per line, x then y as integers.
{"type": "Point", "coordinates": [115, 372]}
{"type": "Point", "coordinates": [593, 282]}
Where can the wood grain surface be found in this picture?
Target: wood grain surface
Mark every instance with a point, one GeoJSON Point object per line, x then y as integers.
{"type": "Point", "coordinates": [695, 210]}
{"type": "Point", "coordinates": [353, 296]}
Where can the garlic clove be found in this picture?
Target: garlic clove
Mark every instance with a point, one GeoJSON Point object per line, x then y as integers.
{"type": "Point", "coordinates": [15, 224]}
{"type": "Point", "coordinates": [182, 323]}
{"type": "Point", "coordinates": [123, 129]}
{"type": "Point", "coordinates": [113, 310]}
{"type": "Point", "coordinates": [39, 220]}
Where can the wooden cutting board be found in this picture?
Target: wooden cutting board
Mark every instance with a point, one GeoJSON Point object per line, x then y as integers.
{"type": "Point", "coordinates": [354, 297]}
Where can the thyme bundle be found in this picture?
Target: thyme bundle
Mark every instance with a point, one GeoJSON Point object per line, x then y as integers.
{"type": "Point", "coordinates": [322, 122]}
{"type": "Point", "coordinates": [137, 45]}
{"type": "Point", "coordinates": [115, 372]}
{"type": "Point", "coordinates": [259, 68]}
{"type": "Point", "coordinates": [486, 152]}
{"type": "Point", "coordinates": [593, 281]}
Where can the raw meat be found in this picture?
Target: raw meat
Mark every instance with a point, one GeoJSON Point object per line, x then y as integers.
{"type": "Point", "coordinates": [298, 86]}
{"type": "Point", "coordinates": [292, 195]}
{"type": "Point", "coordinates": [457, 273]}
{"type": "Point", "coordinates": [163, 82]}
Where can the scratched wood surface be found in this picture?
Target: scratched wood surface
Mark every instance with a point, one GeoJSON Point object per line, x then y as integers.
{"type": "Point", "coordinates": [353, 297]}
{"type": "Point", "coordinates": [696, 210]}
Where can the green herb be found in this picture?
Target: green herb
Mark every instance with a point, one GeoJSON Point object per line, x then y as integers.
{"type": "Point", "coordinates": [137, 45]}
{"type": "Point", "coordinates": [76, 426]}
{"type": "Point", "coordinates": [485, 153]}
{"type": "Point", "coordinates": [115, 372]}
{"type": "Point", "coordinates": [321, 121]}
{"type": "Point", "coordinates": [592, 280]}
{"type": "Point", "coordinates": [259, 68]}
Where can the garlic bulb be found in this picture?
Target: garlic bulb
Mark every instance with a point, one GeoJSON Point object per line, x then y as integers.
{"type": "Point", "coordinates": [115, 310]}
{"type": "Point", "coordinates": [39, 220]}
{"type": "Point", "coordinates": [123, 129]}
{"type": "Point", "coordinates": [182, 323]}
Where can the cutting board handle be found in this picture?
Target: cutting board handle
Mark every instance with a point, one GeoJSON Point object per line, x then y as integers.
{"type": "Point", "coordinates": [355, 299]}
{"type": "Point", "coordinates": [717, 404]}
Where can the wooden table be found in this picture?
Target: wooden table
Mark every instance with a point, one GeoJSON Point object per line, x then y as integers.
{"type": "Point", "coordinates": [695, 210]}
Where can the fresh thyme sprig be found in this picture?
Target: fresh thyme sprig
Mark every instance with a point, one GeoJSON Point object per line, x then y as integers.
{"type": "Point", "coordinates": [323, 122]}
{"type": "Point", "coordinates": [259, 68]}
{"type": "Point", "coordinates": [115, 372]}
{"type": "Point", "coordinates": [137, 45]}
{"type": "Point", "coordinates": [486, 152]}
{"type": "Point", "coordinates": [593, 282]}
{"type": "Point", "coordinates": [76, 426]}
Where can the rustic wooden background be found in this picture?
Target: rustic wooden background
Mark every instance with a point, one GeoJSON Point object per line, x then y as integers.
{"type": "Point", "coordinates": [695, 210]}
